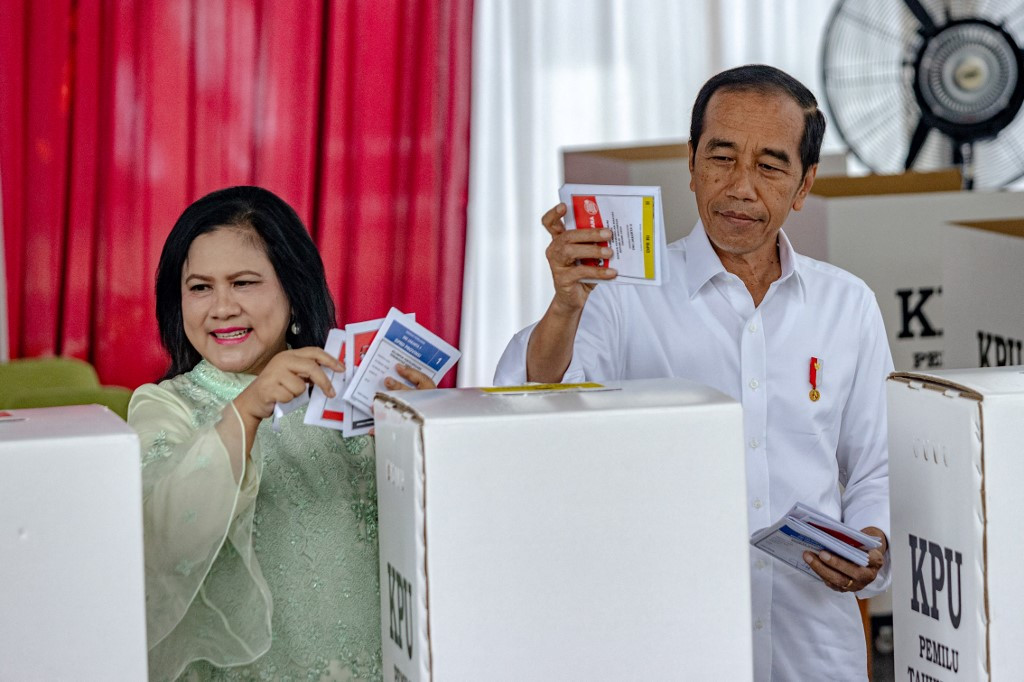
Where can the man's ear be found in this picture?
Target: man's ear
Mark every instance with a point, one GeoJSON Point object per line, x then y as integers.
{"type": "Point", "coordinates": [805, 187]}
{"type": "Point", "coordinates": [691, 152]}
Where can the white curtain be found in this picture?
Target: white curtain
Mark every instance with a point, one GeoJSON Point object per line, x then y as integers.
{"type": "Point", "coordinates": [548, 74]}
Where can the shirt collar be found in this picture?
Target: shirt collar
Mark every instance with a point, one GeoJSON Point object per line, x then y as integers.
{"type": "Point", "coordinates": [702, 263]}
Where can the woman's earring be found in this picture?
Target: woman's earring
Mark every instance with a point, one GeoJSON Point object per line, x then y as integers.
{"type": "Point", "coordinates": [296, 328]}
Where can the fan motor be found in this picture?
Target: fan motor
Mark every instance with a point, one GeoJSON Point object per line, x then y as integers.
{"type": "Point", "coordinates": [967, 79]}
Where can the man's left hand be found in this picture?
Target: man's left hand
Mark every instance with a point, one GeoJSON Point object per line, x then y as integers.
{"type": "Point", "coordinates": [844, 576]}
{"type": "Point", "coordinates": [418, 379]}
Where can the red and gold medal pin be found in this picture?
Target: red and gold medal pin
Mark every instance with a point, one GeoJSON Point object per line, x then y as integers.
{"type": "Point", "coordinates": [815, 368]}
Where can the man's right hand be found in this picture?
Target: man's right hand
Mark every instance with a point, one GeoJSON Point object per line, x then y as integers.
{"type": "Point", "coordinates": [567, 247]}
{"type": "Point", "coordinates": [550, 348]}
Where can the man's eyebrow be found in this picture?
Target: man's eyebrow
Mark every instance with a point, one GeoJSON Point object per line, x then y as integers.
{"type": "Point", "coordinates": [779, 154]}
{"type": "Point", "coordinates": [715, 143]}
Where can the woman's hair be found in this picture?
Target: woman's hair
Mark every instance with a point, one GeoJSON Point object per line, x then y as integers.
{"type": "Point", "coordinates": [288, 247]}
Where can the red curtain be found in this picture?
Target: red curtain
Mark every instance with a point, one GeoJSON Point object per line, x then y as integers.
{"type": "Point", "coordinates": [118, 113]}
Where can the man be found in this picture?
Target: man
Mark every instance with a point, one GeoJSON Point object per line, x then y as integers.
{"type": "Point", "coordinates": [798, 342]}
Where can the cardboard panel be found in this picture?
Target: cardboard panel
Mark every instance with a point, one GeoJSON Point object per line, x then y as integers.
{"type": "Point", "coordinates": [956, 474]}
{"type": "Point", "coordinates": [937, 542]}
{"type": "Point", "coordinates": [983, 290]}
{"type": "Point", "coordinates": [895, 243]}
{"type": "Point", "coordinates": [71, 574]}
{"type": "Point", "coordinates": [547, 545]}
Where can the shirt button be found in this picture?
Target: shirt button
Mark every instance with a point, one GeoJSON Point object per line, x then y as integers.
{"type": "Point", "coordinates": [760, 563]}
{"type": "Point", "coordinates": [758, 624]}
{"type": "Point", "coordinates": [752, 327]}
{"type": "Point", "coordinates": [754, 384]}
{"type": "Point", "coordinates": [754, 443]}
{"type": "Point", "coordinates": [757, 503]}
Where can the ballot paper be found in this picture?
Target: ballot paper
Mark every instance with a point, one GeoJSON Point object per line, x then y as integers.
{"type": "Point", "coordinates": [324, 411]}
{"type": "Point", "coordinates": [804, 529]}
{"type": "Point", "coordinates": [348, 345]}
{"type": "Point", "coordinates": [359, 336]}
{"type": "Point", "coordinates": [636, 219]}
{"type": "Point", "coordinates": [403, 341]}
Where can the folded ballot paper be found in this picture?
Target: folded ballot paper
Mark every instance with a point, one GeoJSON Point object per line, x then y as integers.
{"type": "Point", "coordinates": [634, 215]}
{"type": "Point", "coordinates": [803, 529]}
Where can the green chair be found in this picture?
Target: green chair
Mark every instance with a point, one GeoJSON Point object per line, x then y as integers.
{"type": "Point", "coordinates": [50, 382]}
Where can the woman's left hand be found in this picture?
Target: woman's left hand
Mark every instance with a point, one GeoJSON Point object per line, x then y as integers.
{"type": "Point", "coordinates": [419, 380]}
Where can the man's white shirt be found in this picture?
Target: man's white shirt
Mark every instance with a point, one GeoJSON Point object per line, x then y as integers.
{"type": "Point", "coordinates": [830, 453]}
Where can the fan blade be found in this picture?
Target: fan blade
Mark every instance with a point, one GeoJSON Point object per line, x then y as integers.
{"type": "Point", "coordinates": [916, 142]}
{"type": "Point", "coordinates": [922, 16]}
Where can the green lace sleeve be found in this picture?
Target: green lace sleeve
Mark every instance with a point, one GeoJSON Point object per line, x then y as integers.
{"type": "Point", "coordinates": [206, 597]}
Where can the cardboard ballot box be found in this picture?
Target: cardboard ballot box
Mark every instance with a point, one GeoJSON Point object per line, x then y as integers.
{"type": "Point", "coordinates": [665, 164]}
{"type": "Point", "coordinates": [563, 535]}
{"type": "Point", "coordinates": [72, 604]}
{"type": "Point", "coordinates": [956, 474]}
{"type": "Point", "coordinates": [984, 293]}
{"type": "Point", "coordinates": [889, 231]}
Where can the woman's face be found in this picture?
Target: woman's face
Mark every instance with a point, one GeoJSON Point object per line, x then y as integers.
{"type": "Point", "coordinates": [232, 304]}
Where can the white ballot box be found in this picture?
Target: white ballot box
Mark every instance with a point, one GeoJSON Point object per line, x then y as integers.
{"type": "Point", "coordinates": [563, 534]}
{"type": "Point", "coordinates": [956, 473]}
{"type": "Point", "coordinates": [984, 293]}
{"type": "Point", "coordinates": [72, 604]}
{"type": "Point", "coordinates": [889, 231]}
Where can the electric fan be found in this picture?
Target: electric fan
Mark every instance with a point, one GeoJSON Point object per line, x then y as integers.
{"type": "Point", "coordinates": [926, 83]}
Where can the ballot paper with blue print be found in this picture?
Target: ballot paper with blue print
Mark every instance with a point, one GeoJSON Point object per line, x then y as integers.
{"type": "Point", "coordinates": [803, 529]}
{"type": "Point", "coordinates": [399, 341]}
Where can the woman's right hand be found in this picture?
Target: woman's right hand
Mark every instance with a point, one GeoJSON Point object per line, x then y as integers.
{"type": "Point", "coordinates": [286, 376]}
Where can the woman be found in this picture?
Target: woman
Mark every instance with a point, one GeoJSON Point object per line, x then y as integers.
{"type": "Point", "coordinates": [261, 546]}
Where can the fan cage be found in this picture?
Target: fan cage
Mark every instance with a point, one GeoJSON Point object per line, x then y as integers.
{"type": "Point", "coordinates": [868, 56]}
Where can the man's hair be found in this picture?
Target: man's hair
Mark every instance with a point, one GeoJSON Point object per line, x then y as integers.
{"type": "Point", "coordinates": [277, 229]}
{"type": "Point", "coordinates": [764, 80]}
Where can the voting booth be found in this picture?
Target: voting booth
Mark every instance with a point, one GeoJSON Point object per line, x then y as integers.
{"type": "Point", "coordinates": [553, 533]}
{"type": "Point", "coordinates": [72, 603]}
{"type": "Point", "coordinates": [956, 473]}
{"type": "Point", "coordinates": [890, 231]}
{"type": "Point", "coordinates": [984, 293]}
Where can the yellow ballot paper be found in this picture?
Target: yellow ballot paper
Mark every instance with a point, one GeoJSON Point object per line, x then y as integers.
{"type": "Point", "coordinates": [634, 215]}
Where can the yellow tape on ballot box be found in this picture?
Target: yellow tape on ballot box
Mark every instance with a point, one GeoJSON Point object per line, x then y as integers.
{"type": "Point", "coordinates": [538, 388]}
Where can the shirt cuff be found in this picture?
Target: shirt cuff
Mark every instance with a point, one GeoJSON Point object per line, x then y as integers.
{"type": "Point", "coordinates": [511, 370]}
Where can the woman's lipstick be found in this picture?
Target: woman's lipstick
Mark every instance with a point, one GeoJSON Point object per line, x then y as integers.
{"type": "Point", "coordinates": [229, 336]}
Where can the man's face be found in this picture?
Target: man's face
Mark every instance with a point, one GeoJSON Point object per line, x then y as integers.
{"type": "Point", "coordinates": [746, 172]}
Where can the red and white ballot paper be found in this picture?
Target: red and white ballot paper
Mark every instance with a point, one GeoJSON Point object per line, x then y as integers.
{"type": "Point", "coordinates": [635, 216]}
{"type": "Point", "coordinates": [805, 529]}
{"type": "Point", "coordinates": [349, 346]}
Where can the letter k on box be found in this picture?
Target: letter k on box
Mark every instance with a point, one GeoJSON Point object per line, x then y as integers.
{"type": "Point", "coordinates": [956, 472]}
